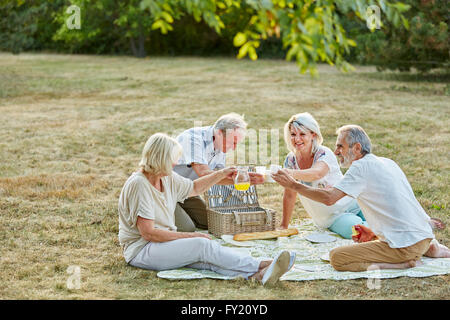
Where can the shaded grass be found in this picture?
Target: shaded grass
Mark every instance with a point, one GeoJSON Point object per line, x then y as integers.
{"type": "Point", "coordinates": [73, 128]}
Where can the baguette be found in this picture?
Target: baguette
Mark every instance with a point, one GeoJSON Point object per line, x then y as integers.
{"type": "Point", "coordinates": [265, 234]}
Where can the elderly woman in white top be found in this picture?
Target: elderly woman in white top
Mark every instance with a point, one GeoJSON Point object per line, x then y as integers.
{"type": "Point", "coordinates": [147, 231]}
{"type": "Point", "coordinates": [316, 165]}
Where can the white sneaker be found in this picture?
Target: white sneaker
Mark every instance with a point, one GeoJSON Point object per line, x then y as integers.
{"type": "Point", "coordinates": [292, 260]}
{"type": "Point", "coordinates": [279, 266]}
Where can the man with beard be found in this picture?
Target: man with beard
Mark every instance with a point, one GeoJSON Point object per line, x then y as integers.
{"type": "Point", "coordinates": [400, 231]}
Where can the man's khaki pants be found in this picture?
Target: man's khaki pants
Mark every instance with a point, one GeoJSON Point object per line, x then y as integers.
{"type": "Point", "coordinates": [191, 214]}
{"type": "Point", "coordinates": [359, 257]}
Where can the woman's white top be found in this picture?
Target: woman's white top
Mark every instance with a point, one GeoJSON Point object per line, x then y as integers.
{"type": "Point", "coordinates": [322, 215]}
{"type": "Point", "coordinates": [140, 198]}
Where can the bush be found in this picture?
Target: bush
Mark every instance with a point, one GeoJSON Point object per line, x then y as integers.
{"type": "Point", "coordinates": [424, 46]}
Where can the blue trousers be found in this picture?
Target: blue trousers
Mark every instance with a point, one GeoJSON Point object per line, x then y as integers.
{"type": "Point", "coordinates": [343, 224]}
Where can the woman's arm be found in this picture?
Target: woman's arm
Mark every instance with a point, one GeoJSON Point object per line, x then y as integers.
{"type": "Point", "coordinates": [316, 172]}
{"type": "Point", "coordinates": [203, 170]}
{"type": "Point", "coordinates": [150, 233]}
{"type": "Point", "coordinates": [289, 198]}
{"type": "Point", "coordinates": [204, 183]}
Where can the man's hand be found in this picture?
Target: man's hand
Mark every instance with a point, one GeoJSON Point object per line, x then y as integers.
{"type": "Point", "coordinates": [284, 179]}
{"type": "Point", "coordinates": [256, 178]}
{"type": "Point", "coordinates": [229, 172]}
{"type": "Point", "coordinates": [364, 234]}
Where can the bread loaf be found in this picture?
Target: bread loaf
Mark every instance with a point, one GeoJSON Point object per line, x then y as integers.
{"type": "Point", "coordinates": [265, 234]}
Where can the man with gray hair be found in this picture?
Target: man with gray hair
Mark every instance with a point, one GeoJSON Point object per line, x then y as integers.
{"type": "Point", "coordinates": [204, 150]}
{"type": "Point", "coordinates": [400, 231]}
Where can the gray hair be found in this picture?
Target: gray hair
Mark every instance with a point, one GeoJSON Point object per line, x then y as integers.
{"type": "Point", "coordinates": [230, 121]}
{"type": "Point", "coordinates": [356, 134]}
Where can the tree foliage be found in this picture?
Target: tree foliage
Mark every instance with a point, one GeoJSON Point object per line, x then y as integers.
{"type": "Point", "coordinates": [424, 45]}
{"type": "Point", "coordinates": [309, 31]}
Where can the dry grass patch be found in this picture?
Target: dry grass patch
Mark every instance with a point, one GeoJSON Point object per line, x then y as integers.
{"type": "Point", "coordinates": [73, 128]}
{"type": "Point", "coordinates": [59, 186]}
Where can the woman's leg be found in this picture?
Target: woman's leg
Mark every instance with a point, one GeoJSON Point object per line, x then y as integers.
{"type": "Point", "coordinates": [192, 251]}
{"type": "Point", "coordinates": [343, 224]}
{"type": "Point", "coordinates": [355, 209]}
{"type": "Point", "coordinates": [361, 215]}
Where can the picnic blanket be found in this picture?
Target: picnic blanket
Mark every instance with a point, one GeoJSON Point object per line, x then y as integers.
{"type": "Point", "coordinates": [308, 264]}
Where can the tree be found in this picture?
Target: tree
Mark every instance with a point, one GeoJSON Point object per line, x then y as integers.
{"type": "Point", "coordinates": [310, 31]}
{"type": "Point", "coordinates": [24, 24]}
{"type": "Point", "coordinates": [424, 46]}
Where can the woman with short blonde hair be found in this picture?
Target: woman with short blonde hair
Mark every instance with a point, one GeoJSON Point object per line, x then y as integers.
{"type": "Point", "coordinates": [159, 154]}
{"type": "Point", "coordinates": [147, 231]}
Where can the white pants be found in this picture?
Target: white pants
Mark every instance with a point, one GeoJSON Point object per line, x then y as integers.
{"type": "Point", "coordinates": [198, 253]}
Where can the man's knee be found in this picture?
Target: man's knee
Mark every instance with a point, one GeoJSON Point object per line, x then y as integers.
{"type": "Point", "coordinates": [195, 207]}
{"type": "Point", "coordinates": [182, 220]}
{"type": "Point", "coordinates": [337, 259]}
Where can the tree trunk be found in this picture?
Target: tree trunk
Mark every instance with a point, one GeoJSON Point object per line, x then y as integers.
{"type": "Point", "coordinates": [138, 51]}
{"type": "Point", "coordinates": [133, 47]}
{"type": "Point", "coordinates": [142, 52]}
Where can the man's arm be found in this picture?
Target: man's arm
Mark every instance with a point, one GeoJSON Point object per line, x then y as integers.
{"type": "Point", "coordinates": [327, 196]}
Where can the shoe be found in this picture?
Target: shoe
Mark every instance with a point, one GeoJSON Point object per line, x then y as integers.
{"type": "Point", "coordinates": [292, 260]}
{"type": "Point", "coordinates": [279, 266]}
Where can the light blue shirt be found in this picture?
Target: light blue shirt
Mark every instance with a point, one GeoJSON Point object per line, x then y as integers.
{"type": "Point", "coordinates": [198, 147]}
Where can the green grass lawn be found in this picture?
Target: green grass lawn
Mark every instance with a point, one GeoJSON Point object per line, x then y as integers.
{"type": "Point", "coordinates": [73, 127]}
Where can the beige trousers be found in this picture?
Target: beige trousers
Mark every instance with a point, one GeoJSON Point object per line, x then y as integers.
{"type": "Point", "coordinates": [191, 214]}
{"type": "Point", "coordinates": [358, 257]}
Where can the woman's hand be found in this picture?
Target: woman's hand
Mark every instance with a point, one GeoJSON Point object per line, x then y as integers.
{"type": "Point", "coordinates": [256, 178]}
{"type": "Point", "coordinates": [198, 235]}
{"type": "Point", "coordinates": [283, 178]}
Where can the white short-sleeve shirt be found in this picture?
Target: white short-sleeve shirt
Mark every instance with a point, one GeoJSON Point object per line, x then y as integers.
{"type": "Point", "coordinates": [387, 201]}
{"type": "Point", "coordinates": [322, 215]}
{"type": "Point", "coordinates": [198, 147]}
{"type": "Point", "coordinates": [139, 198]}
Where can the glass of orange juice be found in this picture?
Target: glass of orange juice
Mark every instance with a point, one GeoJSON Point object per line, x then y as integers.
{"type": "Point", "coordinates": [261, 170]}
{"type": "Point", "coordinates": [242, 179]}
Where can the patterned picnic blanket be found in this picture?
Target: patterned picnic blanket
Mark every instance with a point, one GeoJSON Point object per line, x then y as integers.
{"type": "Point", "coordinates": [309, 265]}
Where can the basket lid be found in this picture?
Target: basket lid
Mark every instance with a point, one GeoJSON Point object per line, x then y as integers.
{"type": "Point", "coordinates": [226, 196]}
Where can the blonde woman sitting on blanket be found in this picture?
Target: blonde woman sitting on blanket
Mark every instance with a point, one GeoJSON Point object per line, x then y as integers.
{"type": "Point", "coordinates": [147, 231]}
{"type": "Point", "coordinates": [316, 165]}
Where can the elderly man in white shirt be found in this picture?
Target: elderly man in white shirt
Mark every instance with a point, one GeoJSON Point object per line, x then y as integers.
{"type": "Point", "coordinates": [401, 232]}
{"type": "Point", "coordinates": [204, 150]}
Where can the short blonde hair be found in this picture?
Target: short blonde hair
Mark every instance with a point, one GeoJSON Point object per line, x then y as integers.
{"type": "Point", "coordinates": [304, 122]}
{"type": "Point", "coordinates": [160, 152]}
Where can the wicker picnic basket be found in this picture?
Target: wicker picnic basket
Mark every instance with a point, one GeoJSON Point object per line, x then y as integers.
{"type": "Point", "coordinates": [231, 211]}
